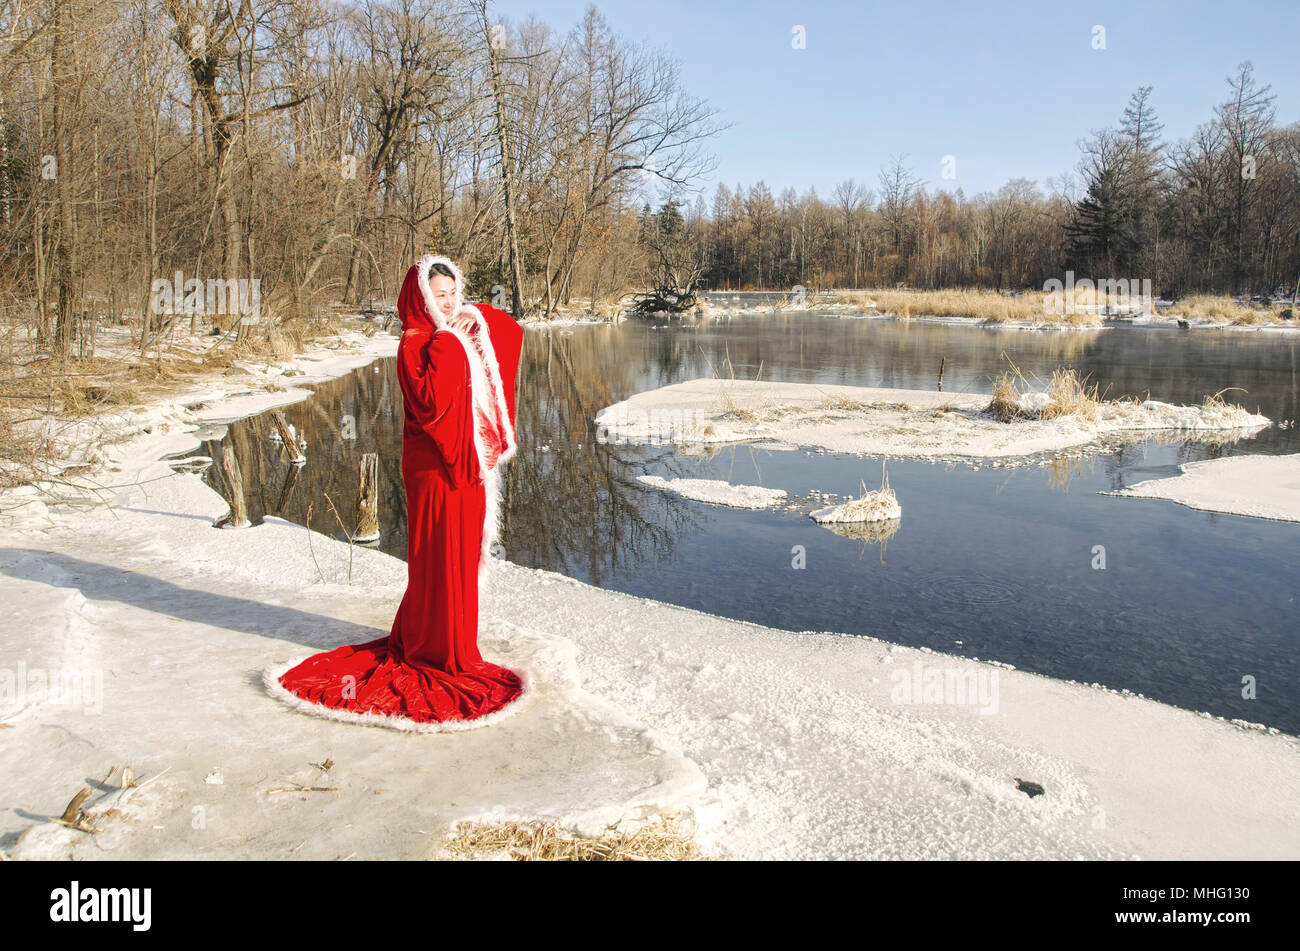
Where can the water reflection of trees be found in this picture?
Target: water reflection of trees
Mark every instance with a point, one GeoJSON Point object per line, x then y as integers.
{"type": "Point", "coordinates": [575, 506]}
{"type": "Point", "coordinates": [572, 505]}
{"type": "Point", "coordinates": [345, 419]}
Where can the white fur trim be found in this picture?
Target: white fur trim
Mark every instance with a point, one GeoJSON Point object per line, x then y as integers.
{"type": "Point", "coordinates": [498, 387]}
{"type": "Point", "coordinates": [488, 391]}
{"type": "Point", "coordinates": [271, 680]}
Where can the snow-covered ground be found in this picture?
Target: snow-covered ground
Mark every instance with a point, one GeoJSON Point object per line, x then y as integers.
{"type": "Point", "coordinates": [1259, 486]}
{"type": "Point", "coordinates": [770, 744]}
{"type": "Point", "coordinates": [882, 421]}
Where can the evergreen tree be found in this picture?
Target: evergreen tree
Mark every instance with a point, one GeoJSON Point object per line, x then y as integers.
{"type": "Point", "coordinates": [1100, 239]}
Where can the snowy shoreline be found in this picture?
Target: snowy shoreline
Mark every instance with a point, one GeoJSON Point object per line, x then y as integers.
{"type": "Point", "coordinates": [774, 744]}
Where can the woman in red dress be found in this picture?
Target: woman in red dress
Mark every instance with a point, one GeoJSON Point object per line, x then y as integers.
{"type": "Point", "coordinates": [456, 364]}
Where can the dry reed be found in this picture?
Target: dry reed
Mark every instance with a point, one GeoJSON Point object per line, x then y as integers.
{"type": "Point", "coordinates": [540, 841]}
{"type": "Point", "coordinates": [1212, 307]}
{"type": "Point", "coordinates": [1068, 394]}
{"type": "Point", "coordinates": [987, 306]}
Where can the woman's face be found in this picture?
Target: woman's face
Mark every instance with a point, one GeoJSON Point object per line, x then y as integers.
{"type": "Point", "coordinates": [444, 293]}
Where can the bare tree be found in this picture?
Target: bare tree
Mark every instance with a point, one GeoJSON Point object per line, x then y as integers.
{"type": "Point", "coordinates": [1245, 117]}
{"type": "Point", "coordinates": [897, 187]}
{"type": "Point", "coordinates": [850, 198]}
{"type": "Point", "coordinates": [63, 74]}
{"type": "Point", "coordinates": [500, 124]}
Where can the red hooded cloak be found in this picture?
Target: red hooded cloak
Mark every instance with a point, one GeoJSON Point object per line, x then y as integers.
{"type": "Point", "coordinates": [458, 393]}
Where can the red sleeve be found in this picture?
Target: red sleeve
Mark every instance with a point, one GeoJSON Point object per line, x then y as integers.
{"type": "Point", "coordinates": [433, 372]}
{"type": "Point", "coordinates": [507, 343]}
{"type": "Point", "coordinates": [509, 363]}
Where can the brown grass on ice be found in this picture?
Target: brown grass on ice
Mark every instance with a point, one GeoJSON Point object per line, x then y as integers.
{"type": "Point", "coordinates": [540, 841]}
{"type": "Point", "coordinates": [1217, 404]}
{"type": "Point", "coordinates": [1215, 307]}
{"type": "Point", "coordinates": [846, 404]}
{"type": "Point", "coordinates": [1005, 404]}
{"type": "Point", "coordinates": [987, 306]}
{"type": "Point", "coordinates": [863, 508]}
{"type": "Point", "coordinates": [1068, 393]}
{"type": "Point", "coordinates": [843, 403]}
{"type": "Point", "coordinates": [872, 504]}
{"type": "Point", "coordinates": [1071, 396]}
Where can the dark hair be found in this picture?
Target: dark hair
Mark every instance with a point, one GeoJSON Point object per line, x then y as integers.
{"type": "Point", "coordinates": [437, 267]}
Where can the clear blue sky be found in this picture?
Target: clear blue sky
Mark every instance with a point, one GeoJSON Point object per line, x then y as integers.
{"type": "Point", "coordinates": [1007, 88]}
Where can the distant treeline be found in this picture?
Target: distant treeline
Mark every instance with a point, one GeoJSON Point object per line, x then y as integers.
{"type": "Point", "coordinates": [1218, 212]}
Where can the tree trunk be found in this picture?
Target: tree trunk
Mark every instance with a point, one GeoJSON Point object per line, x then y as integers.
{"type": "Point", "coordinates": [503, 144]}
{"type": "Point", "coordinates": [66, 252]}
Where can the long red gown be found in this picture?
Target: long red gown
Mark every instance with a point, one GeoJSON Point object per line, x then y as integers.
{"type": "Point", "coordinates": [427, 674]}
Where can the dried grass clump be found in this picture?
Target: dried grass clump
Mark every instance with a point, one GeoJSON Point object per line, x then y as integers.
{"type": "Point", "coordinates": [1081, 318]}
{"type": "Point", "coordinates": [279, 340]}
{"type": "Point", "coordinates": [873, 505]}
{"type": "Point", "coordinates": [991, 307]}
{"type": "Point", "coordinates": [76, 388]}
{"type": "Point", "coordinates": [844, 403]}
{"type": "Point", "coordinates": [540, 841]}
{"type": "Point", "coordinates": [1005, 404]}
{"type": "Point", "coordinates": [1212, 307]}
{"type": "Point", "coordinates": [854, 300]}
{"type": "Point", "coordinates": [1070, 396]}
{"type": "Point", "coordinates": [1215, 403]}
{"type": "Point", "coordinates": [988, 306]}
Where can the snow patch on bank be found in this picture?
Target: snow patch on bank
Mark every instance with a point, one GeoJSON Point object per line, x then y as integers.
{"type": "Point", "coordinates": [1256, 486]}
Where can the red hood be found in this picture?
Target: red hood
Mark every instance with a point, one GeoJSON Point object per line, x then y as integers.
{"type": "Point", "coordinates": [411, 308]}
